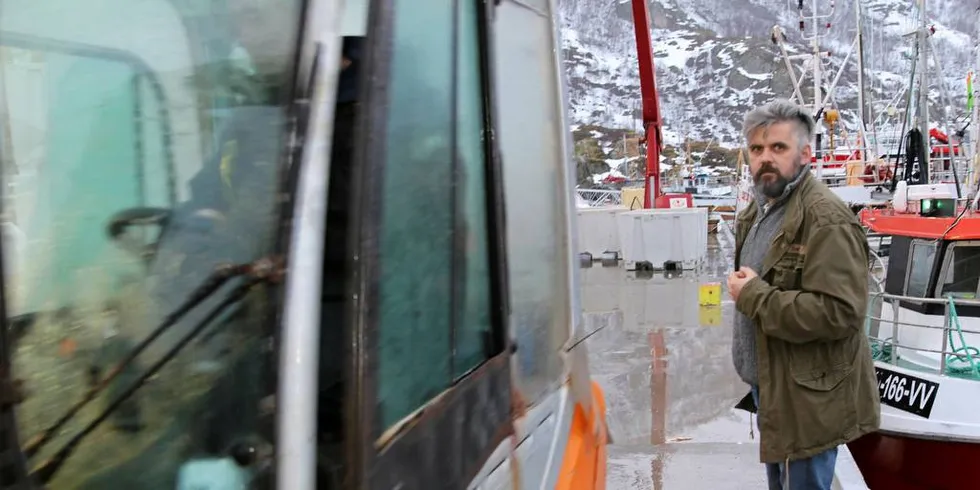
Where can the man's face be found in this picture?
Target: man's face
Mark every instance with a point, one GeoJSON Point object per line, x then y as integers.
{"type": "Point", "coordinates": [775, 157]}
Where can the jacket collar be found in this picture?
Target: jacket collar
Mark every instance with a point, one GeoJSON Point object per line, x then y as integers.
{"type": "Point", "coordinates": [792, 199]}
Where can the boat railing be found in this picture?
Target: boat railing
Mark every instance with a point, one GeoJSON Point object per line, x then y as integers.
{"type": "Point", "coordinates": [955, 358]}
{"type": "Point", "coordinates": [961, 176]}
{"type": "Point", "coordinates": [601, 197]}
{"type": "Point", "coordinates": [598, 198]}
{"type": "Point", "coordinates": [855, 171]}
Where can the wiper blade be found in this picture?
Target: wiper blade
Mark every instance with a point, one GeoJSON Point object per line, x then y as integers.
{"type": "Point", "coordinates": [262, 270]}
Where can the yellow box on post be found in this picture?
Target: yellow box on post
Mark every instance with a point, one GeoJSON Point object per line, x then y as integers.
{"type": "Point", "coordinates": [710, 294]}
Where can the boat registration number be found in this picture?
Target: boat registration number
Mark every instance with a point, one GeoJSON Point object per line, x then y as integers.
{"type": "Point", "coordinates": [905, 392]}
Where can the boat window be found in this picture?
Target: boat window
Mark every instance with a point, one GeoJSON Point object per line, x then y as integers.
{"type": "Point", "coordinates": [140, 143]}
{"type": "Point", "coordinates": [961, 274]}
{"type": "Point", "coordinates": [434, 289]}
{"type": "Point", "coordinates": [921, 262]}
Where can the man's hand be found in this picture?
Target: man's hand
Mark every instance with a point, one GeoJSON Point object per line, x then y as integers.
{"type": "Point", "coordinates": [737, 280]}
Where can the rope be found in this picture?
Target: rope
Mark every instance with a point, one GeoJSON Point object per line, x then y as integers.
{"type": "Point", "coordinates": [881, 350]}
{"type": "Point", "coordinates": [964, 359]}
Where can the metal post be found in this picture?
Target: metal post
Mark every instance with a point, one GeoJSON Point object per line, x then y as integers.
{"type": "Point", "coordinates": [296, 450]}
{"type": "Point", "coordinates": [780, 39]}
{"type": "Point", "coordinates": [949, 127]}
{"type": "Point", "coordinates": [975, 121]}
{"type": "Point", "coordinates": [896, 304]}
{"type": "Point", "coordinates": [942, 356]}
{"type": "Point", "coordinates": [923, 112]}
{"type": "Point", "coordinates": [817, 78]}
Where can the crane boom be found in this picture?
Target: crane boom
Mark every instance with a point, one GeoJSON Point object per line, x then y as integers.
{"type": "Point", "coordinates": [653, 197]}
{"type": "Point", "coordinates": [652, 135]}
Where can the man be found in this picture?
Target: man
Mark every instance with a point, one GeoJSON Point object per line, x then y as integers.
{"type": "Point", "coordinates": [800, 287]}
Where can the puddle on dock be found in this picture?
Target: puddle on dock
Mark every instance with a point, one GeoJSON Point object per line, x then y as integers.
{"type": "Point", "coordinates": [665, 364]}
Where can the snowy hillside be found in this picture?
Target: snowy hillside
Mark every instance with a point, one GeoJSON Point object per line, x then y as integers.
{"type": "Point", "coordinates": [715, 59]}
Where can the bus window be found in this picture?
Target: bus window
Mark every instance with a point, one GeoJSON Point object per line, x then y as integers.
{"type": "Point", "coordinates": [473, 313]}
{"type": "Point", "coordinates": [434, 287]}
{"type": "Point", "coordinates": [141, 146]}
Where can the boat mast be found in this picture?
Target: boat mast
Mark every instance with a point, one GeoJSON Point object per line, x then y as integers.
{"type": "Point", "coordinates": [862, 133]}
{"type": "Point", "coordinates": [975, 117]}
{"type": "Point", "coordinates": [823, 97]}
{"type": "Point", "coordinates": [922, 111]}
{"type": "Point", "coordinates": [816, 63]}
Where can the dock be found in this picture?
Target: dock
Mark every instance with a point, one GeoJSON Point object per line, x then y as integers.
{"type": "Point", "coordinates": [665, 364]}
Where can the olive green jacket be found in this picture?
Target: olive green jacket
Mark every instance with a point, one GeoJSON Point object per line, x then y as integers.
{"type": "Point", "coordinates": [817, 385]}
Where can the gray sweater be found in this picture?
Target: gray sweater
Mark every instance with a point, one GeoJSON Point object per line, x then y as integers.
{"type": "Point", "coordinates": [767, 224]}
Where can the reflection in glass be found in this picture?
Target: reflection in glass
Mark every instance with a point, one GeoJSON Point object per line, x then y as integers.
{"type": "Point", "coordinates": [116, 112]}
{"type": "Point", "coordinates": [530, 145]}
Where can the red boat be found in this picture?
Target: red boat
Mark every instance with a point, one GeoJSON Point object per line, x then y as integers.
{"type": "Point", "coordinates": [924, 326]}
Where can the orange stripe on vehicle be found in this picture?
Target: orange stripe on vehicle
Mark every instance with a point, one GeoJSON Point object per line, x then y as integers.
{"type": "Point", "coordinates": [584, 462]}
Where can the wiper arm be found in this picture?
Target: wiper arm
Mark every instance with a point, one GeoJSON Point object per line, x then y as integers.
{"type": "Point", "coordinates": [218, 277]}
{"type": "Point", "coordinates": [262, 270]}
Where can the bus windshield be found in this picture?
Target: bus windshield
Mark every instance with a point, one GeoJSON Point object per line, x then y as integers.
{"type": "Point", "coordinates": [141, 144]}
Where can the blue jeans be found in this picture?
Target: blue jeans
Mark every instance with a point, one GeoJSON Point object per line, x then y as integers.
{"type": "Point", "coordinates": [813, 473]}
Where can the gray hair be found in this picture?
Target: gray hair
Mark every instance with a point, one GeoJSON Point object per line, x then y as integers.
{"type": "Point", "coordinates": [777, 111]}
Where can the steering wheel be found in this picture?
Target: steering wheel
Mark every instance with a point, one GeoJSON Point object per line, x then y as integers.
{"type": "Point", "coordinates": [120, 222]}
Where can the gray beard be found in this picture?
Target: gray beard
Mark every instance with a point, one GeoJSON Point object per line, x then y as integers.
{"type": "Point", "coordinates": [777, 187]}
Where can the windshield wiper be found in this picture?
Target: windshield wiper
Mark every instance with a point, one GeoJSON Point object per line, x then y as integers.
{"type": "Point", "coordinates": [262, 270]}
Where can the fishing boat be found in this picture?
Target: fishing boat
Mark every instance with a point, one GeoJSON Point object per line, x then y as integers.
{"type": "Point", "coordinates": [924, 328]}
{"type": "Point", "coordinates": [924, 314]}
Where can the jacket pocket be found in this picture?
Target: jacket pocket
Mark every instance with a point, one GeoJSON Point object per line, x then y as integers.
{"type": "Point", "coordinates": [821, 399]}
{"type": "Point", "coordinates": [787, 272]}
{"type": "Point", "coordinates": [821, 366]}
{"type": "Point", "coordinates": [787, 275]}
{"type": "Point", "coordinates": [823, 379]}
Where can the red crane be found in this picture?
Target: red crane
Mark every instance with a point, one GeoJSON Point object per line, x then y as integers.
{"type": "Point", "coordinates": [653, 197]}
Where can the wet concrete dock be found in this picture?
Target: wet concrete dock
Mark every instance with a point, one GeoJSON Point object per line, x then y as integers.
{"type": "Point", "coordinates": [665, 365]}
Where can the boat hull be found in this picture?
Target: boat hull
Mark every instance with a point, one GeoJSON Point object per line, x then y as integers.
{"type": "Point", "coordinates": [899, 462]}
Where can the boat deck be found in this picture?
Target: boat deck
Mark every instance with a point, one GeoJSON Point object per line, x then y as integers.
{"type": "Point", "coordinates": [665, 364]}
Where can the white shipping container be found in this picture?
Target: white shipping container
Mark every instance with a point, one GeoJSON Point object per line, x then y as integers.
{"type": "Point", "coordinates": [598, 231]}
